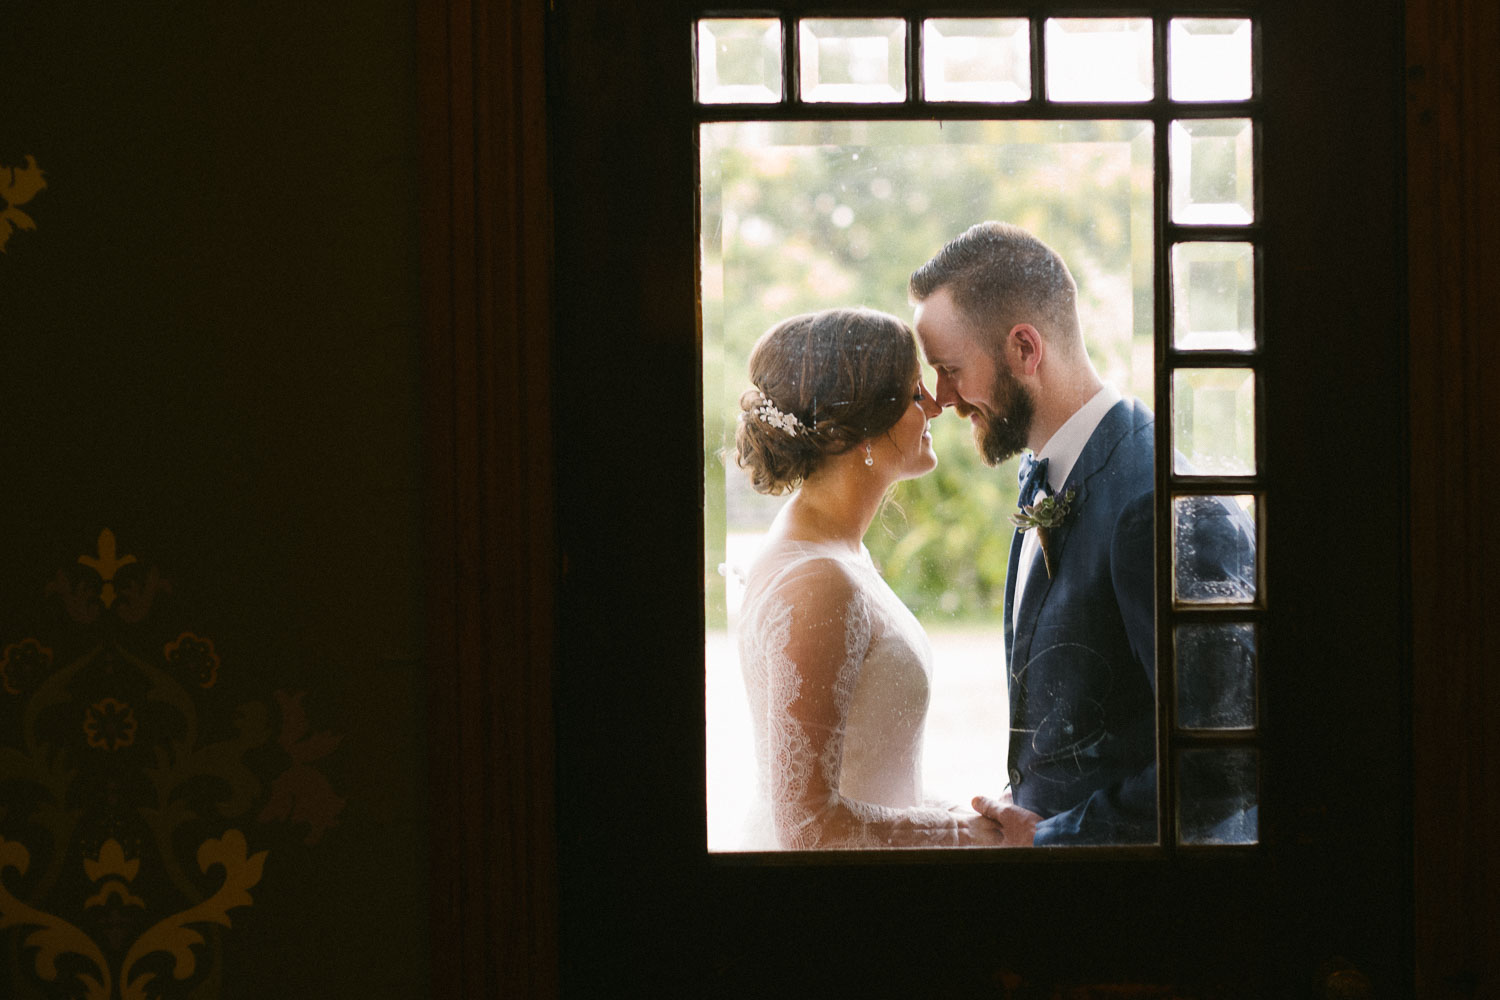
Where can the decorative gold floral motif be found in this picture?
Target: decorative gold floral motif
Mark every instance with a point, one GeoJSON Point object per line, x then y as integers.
{"type": "Point", "coordinates": [107, 564]}
{"type": "Point", "coordinates": [194, 656]}
{"type": "Point", "coordinates": [111, 862]}
{"type": "Point", "coordinates": [57, 937]}
{"type": "Point", "coordinates": [241, 873]}
{"type": "Point", "coordinates": [22, 664]}
{"type": "Point", "coordinates": [18, 185]}
{"type": "Point", "coordinates": [109, 724]}
{"type": "Point", "coordinates": [301, 793]}
{"type": "Point", "coordinates": [186, 756]}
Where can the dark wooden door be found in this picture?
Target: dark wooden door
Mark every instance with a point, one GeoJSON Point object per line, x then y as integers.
{"type": "Point", "coordinates": [643, 907]}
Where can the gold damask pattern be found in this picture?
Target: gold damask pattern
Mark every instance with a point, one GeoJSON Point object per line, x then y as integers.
{"type": "Point", "coordinates": [173, 936]}
{"type": "Point", "coordinates": [18, 185]}
{"type": "Point", "coordinates": [120, 761]}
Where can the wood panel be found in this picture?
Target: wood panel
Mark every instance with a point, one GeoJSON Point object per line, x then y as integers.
{"type": "Point", "coordinates": [1453, 161]}
{"type": "Point", "coordinates": [485, 289]}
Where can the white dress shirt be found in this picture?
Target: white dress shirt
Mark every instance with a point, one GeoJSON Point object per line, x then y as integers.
{"type": "Point", "coordinates": [1061, 452]}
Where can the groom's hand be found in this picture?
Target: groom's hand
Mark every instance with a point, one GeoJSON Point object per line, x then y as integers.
{"type": "Point", "coordinates": [1018, 825]}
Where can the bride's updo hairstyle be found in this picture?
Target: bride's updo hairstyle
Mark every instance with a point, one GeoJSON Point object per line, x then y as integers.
{"type": "Point", "coordinates": [823, 382]}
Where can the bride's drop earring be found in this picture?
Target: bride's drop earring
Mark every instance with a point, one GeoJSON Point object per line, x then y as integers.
{"type": "Point", "coordinates": [869, 458]}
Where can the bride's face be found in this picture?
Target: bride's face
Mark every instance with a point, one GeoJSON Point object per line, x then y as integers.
{"type": "Point", "coordinates": [909, 444]}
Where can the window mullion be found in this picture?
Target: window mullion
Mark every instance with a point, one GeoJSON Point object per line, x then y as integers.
{"type": "Point", "coordinates": [1166, 675]}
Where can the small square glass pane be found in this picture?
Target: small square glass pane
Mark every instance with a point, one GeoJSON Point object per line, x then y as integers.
{"type": "Point", "coordinates": [976, 59]}
{"type": "Point", "coordinates": [1208, 59]}
{"type": "Point", "coordinates": [1213, 296]}
{"type": "Point", "coordinates": [1217, 796]}
{"type": "Point", "coordinates": [739, 61]}
{"type": "Point", "coordinates": [1213, 422]}
{"type": "Point", "coordinates": [1213, 549]}
{"type": "Point", "coordinates": [856, 61]}
{"type": "Point", "coordinates": [1212, 162]}
{"type": "Point", "coordinates": [1099, 59]}
{"type": "Point", "coordinates": [1216, 676]}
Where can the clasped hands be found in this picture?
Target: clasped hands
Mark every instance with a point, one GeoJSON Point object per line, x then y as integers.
{"type": "Point", "coordinates": [1001, 823]}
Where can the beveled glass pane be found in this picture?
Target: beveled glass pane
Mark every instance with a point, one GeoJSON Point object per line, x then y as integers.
{"type": "Point", "coordinates": [1208, 59]}
{"type": "Point", "coordinates": [1213, 421]}
{"type": "Point", "coordinates": [976, 59]}
{"type": "Point", "coordinates": [1213, 549]}
{"type": "Point", "coordinates": [1212, 171]}
{"type": "Point", "coordinates": [1099, 59]}
{"type": "Point", "coordinates": [1216, 676]}
{"type": "Point", "coordinates": [1213, 296]}
{"type": "Point", "coordinates": [739, 61]}
{"type": "Point", "coordinates": [1217, 796]}
{"type": "Point", "coordinates": [859, 61]}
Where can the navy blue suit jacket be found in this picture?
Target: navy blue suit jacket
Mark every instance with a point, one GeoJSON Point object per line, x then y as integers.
{"type": "Point", "coordinates": [1082, 653]}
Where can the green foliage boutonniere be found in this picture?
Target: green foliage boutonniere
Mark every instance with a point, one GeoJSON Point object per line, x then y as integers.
{"type": "Point", "coordinates": [1047, 513]}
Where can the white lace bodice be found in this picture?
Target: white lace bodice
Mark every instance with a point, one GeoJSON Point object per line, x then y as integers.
{"type": "Point", "coordinates": [837, 672]}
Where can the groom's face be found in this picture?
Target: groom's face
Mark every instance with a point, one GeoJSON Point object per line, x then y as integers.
{"type": "Point", "coordinates": [1002, 437]}
{"type": "Point", "coordinates": [973, 378]}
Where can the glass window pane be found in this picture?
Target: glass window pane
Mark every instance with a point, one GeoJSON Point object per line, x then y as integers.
{"type": "Point", "coordinates": [1212, 162]}
{"type": "Point", "coordinates": [1099, 59]}
{"type": "Point", "coordinates": [1217, 796]}
{"type": "Point", "coordinates": [1216, 676]}
{"type": "Point", "coordinates": [800, 216]}
{"type": "Point", "coordinates": [976, 59]}
{"type": "Point", "coordinates": [1208, 59]}
{"type": "Point", "coordinates": [739, 61]}
{"type": "Point", "coordinates": [1213, 296]}
{"type": "Point", "coordinates": [1213, 548]}
{"type": "Point", "coordinates": [859, 61]}
{"type": "Point", "coordinates": [1213, 422]}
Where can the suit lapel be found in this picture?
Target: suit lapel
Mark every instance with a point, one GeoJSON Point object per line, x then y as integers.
{"type": "Point", "coordinates": [1010, 597]}
{"type": "Point", "coordinates": [1101, 444]}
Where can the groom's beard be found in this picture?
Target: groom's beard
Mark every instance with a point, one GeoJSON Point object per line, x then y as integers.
{"type": "Point", "coordinates": [1003, 436]}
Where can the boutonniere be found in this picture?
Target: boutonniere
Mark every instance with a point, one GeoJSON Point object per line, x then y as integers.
{"type": "Point", "coordinates": [1047, 513]}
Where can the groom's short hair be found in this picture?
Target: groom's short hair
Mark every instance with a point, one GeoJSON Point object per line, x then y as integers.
{"type": "Point", "coordinates": [999, 275]}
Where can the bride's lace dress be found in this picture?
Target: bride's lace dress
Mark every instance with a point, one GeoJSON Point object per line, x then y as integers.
{"type": "Point", "coordinates": [837, 671]}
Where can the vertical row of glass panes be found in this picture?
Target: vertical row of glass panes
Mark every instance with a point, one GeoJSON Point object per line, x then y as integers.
{"type": "Point", "coordinates": [1208, 377]}
{"type": "Point", "coordinates": [1192, 81]}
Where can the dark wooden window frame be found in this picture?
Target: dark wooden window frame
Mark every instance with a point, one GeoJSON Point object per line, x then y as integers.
{"type": "Point", "coordinates": [488, 297]}
{"type": "Point", "coordinates": [1161, 112]}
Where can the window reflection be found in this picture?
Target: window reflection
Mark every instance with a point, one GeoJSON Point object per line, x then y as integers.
{"type": "Point", "coordinates": [1218, 796]}
{"type": "Point", "coordinates": [739, 61]}
{"type": "Point", "coordinates": [1216, 676]}
{"type": "Point", "coordinates": [1099, 59]}
{"type": "Point", "coordinates": [976, 59]}
{"type": "Point", "coordinates": [858, 61]}
{"type": "Point", "coordinates": [1213, 296]}
{"type": "Point", "coordinates": [1212, 179]}
{"type": "Point", "coordinates": [1214, 552]}
{"type": "Point", "coordinates": [1209, 59]}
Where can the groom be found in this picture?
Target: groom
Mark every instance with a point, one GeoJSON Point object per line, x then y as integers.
{"type": "Point", "coordinates": [997, 318]}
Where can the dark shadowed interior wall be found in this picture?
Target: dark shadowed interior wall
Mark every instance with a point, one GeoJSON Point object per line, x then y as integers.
{"type": "Point", "coordinates": [212, 716]}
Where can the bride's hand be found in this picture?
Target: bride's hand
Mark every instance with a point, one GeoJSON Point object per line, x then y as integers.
{"type": "Point", "coordinates": [975, 830]}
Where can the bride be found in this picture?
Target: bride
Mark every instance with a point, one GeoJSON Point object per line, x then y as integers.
{"type": "Point", "coordinates": [836, 667]}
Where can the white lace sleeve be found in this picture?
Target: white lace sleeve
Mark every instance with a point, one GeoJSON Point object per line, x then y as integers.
{"type": "Point", "coordinates": [803, 640]}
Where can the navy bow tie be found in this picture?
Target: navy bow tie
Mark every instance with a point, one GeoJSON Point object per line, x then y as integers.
{"type": "Point", "coordinates": [1033, 477]}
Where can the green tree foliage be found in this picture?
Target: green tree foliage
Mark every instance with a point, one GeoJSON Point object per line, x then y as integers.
{"type": "Point", "coordinates": [804, 216]}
